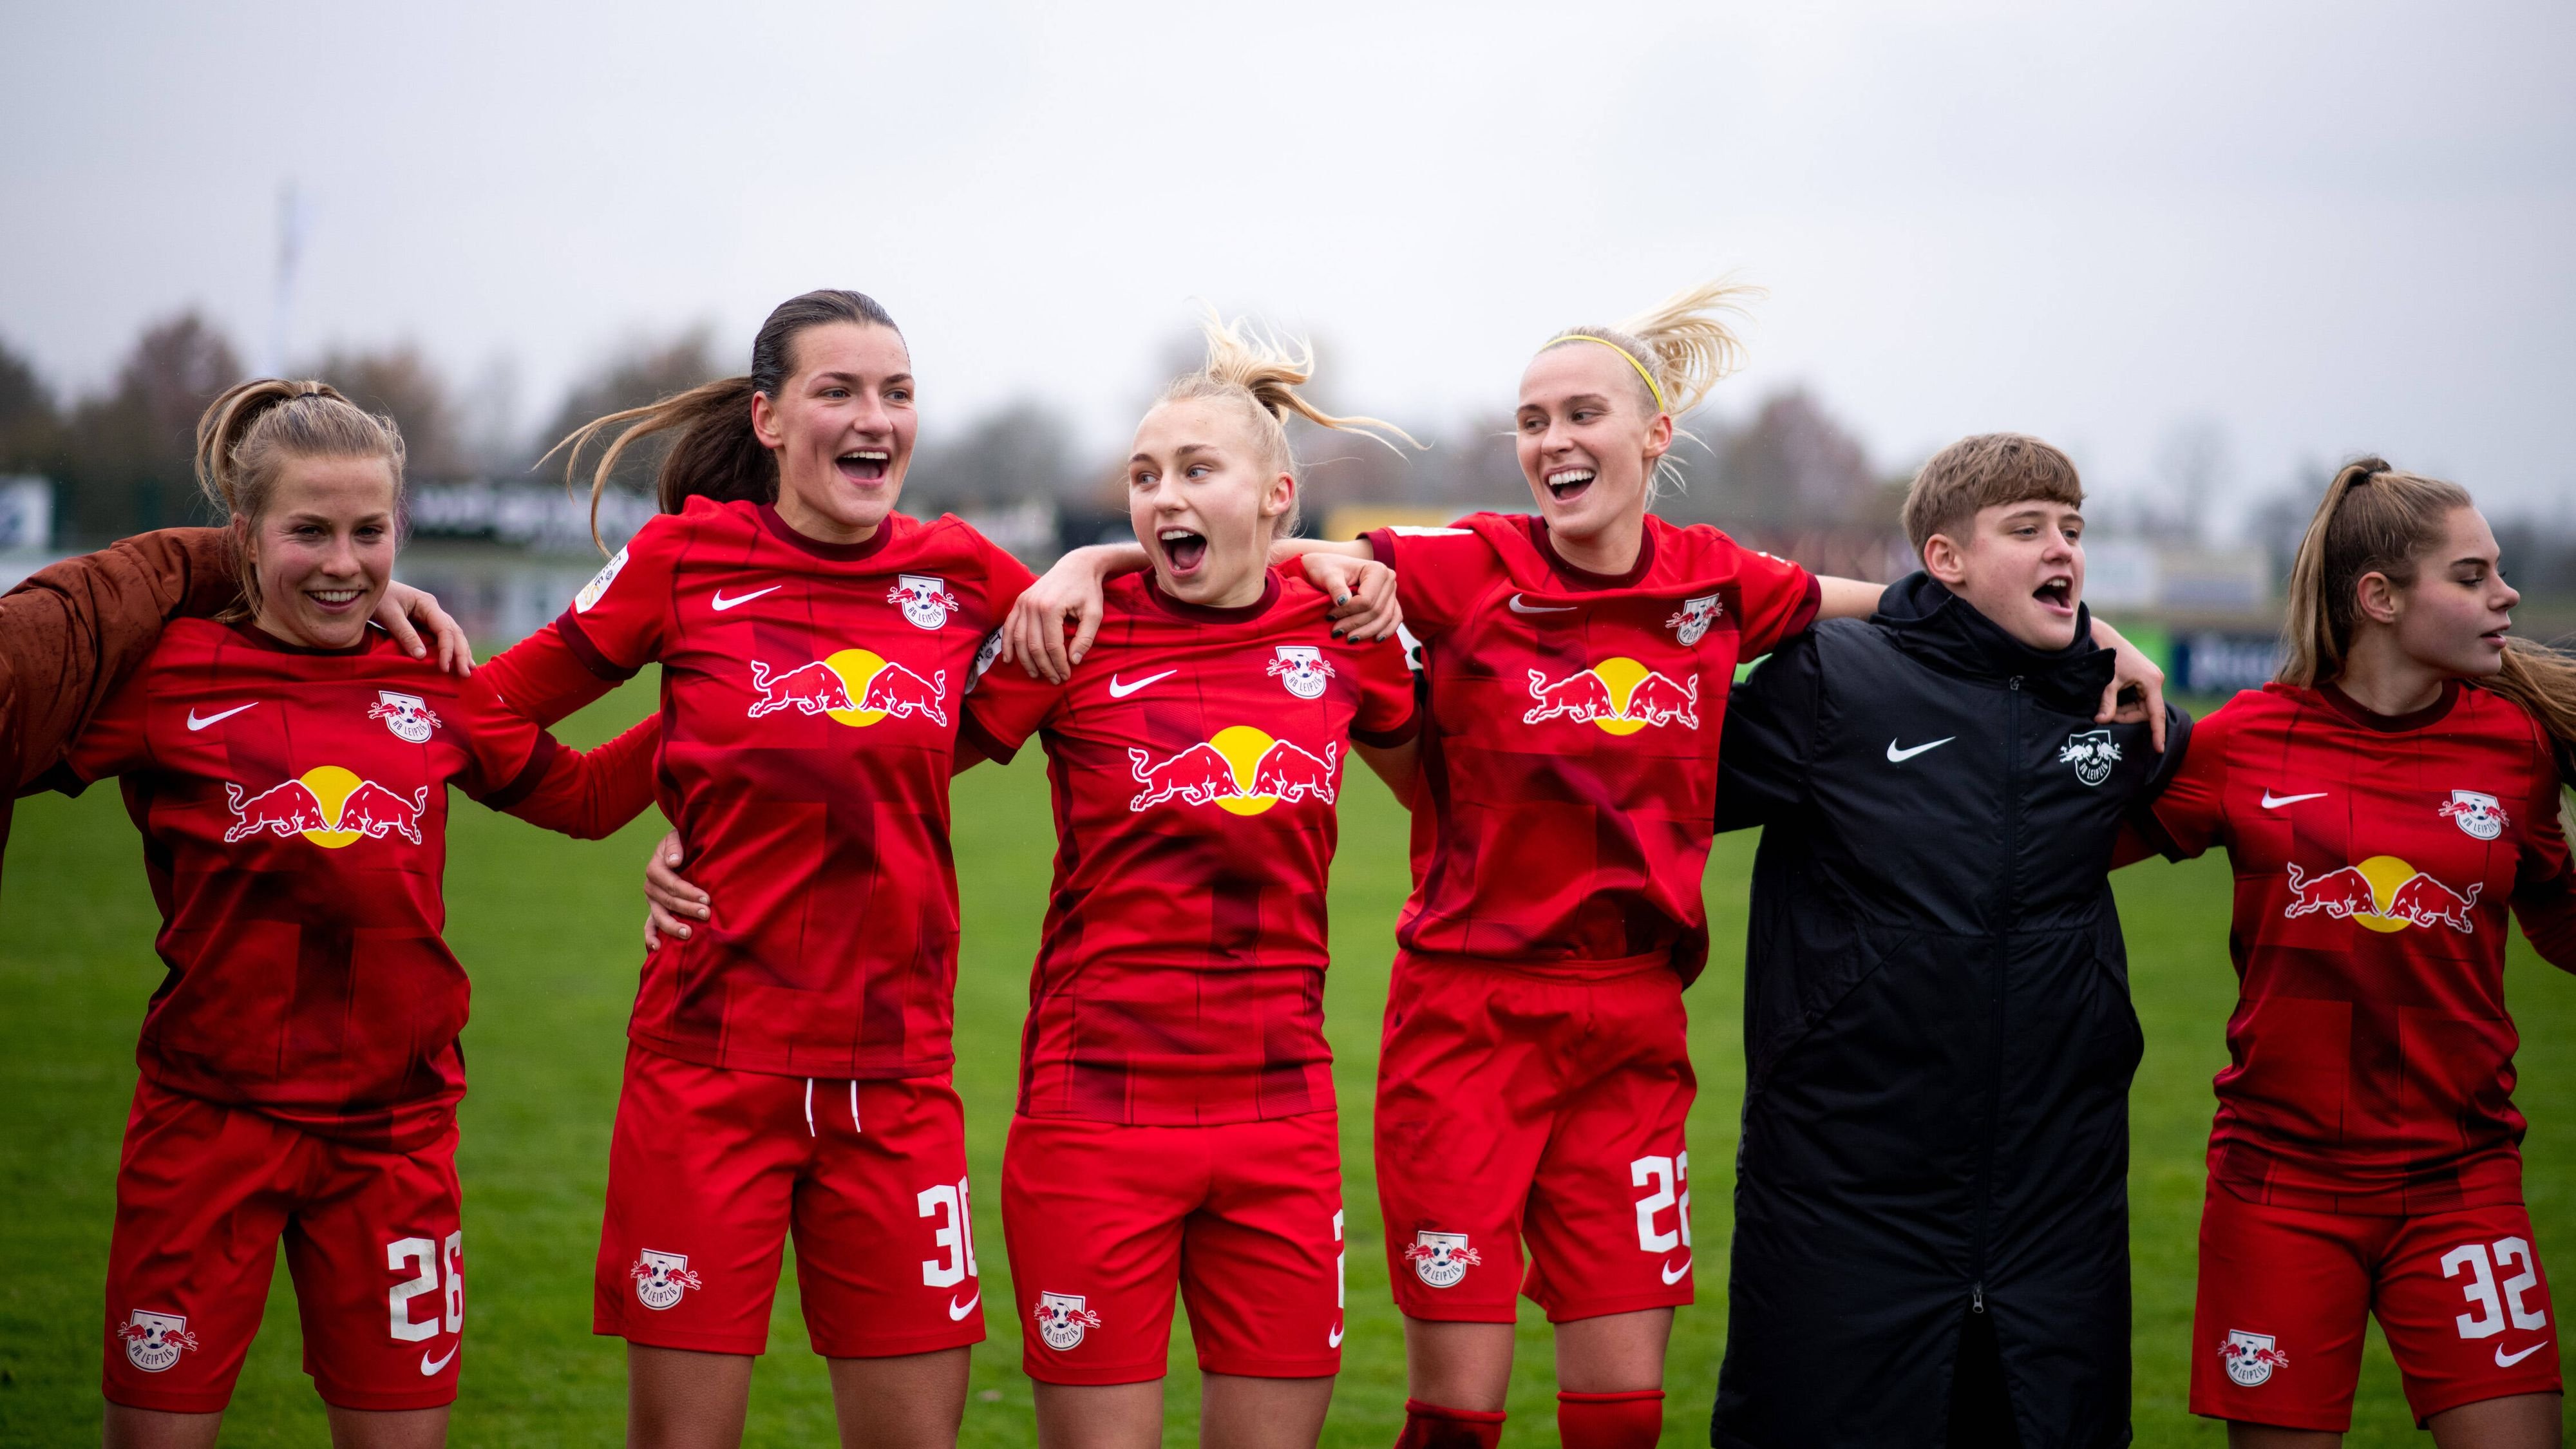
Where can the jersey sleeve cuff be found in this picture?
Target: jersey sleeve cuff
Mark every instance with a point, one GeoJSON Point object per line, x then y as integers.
{"type": "Point", "coordinates": [578, 640]}
{"type": "Point", "coordinates": [524, 784]}
{"type": "Point", "coordinates": [1803, 617]}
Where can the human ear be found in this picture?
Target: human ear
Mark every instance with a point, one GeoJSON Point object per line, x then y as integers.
{"type": "Point", "coordinates": [764, 421]}
{"type": "Point", "coordinates": [1659, 437]}
{"type": "Point", "coordinates": [2376, 598]}
{"type": "Point", "coordinates": [1944, 560]}
{"type": "Point", "coordinates": [1279, 497]}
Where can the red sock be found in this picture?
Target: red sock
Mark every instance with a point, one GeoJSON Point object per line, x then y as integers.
{"type": "Point", "coordinates": [1633, 1420]}
{"type": "Point", "coordinates": [1429, 1426]}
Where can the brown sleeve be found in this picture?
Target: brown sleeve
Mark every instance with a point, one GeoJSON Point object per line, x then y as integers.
{"type": "Point", "coordinates": [69, 634]}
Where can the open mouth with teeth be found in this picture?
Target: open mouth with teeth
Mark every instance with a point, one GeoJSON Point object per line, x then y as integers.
{"type": "Point", "coordinates": [1183, 550]}
{"type": "Point", "coordinates": [1568, 484]}
{"type": "Point", "coordinates": [334, 600]}
{"type": "Point", "coordinates": [2057, 594]}
{"type": "Point", "coordinates": [864, 465]}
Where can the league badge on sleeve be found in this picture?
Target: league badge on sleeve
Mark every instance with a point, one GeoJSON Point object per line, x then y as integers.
{"type": "Point", "coordinates": [2480, 816]}
{"type": "Point", "coordinates": [1062, 1319]}
{"type": "Point", "coordinates": [2251, 1357]}
{"type": "Point", "coordinates": [154, 1341]}
{"type": "Point", "coordinates": [2092, 753]}
{"type": "Point", "coordinates": [1303, 669]}
{"type": "Point", "coordinates": [1691, 624]}
{"type": "Point", "coordinates": [598, 585]}
{"type": "Point", "coordinates": [408, 716]}
{"type": "Point", "coordinates": [660, 1278]}
{"type": "Point", "coordinates": [925, 600]}
{"type": "Point", "coordinates": [1441, 1259]}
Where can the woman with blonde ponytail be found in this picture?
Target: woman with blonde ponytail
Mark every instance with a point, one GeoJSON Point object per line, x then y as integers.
{"type": "Point", "coordinates": [289, 767]}
{"type": "Point", "coordinates": [2390, 805]}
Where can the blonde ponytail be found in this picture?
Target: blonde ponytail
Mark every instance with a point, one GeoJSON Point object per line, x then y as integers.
{"type": "Point", "coordinates": [1682, 347]}
{"type": "Point", "coordinates": [251, 431]}
{"type": "Point", "coordinates": [1263, 372]}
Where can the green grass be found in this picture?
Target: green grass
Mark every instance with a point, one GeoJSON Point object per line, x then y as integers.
{"type": "Point", "coordinates": [549, 929]}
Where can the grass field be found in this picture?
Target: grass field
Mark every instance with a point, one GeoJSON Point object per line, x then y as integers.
{"type": "Point", "coordinates": [549, 929]}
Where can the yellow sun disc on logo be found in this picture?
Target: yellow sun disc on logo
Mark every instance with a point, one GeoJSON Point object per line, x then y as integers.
{"type": "Point", "coordinates": [332, 786]}
{"type": "Point", "coordinates": [856, 667]}
{"type": "Point", "coordinates": [1622, 675]}
{"type": "Point", "coordinates": [1243, 746]}
{"type": "Point", "coordinates": [2385, 874]}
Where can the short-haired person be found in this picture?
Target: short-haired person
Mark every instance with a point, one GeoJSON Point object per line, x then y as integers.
{"type": "Point", "coordinates": [2389, 804]}
{"type": "Point", "coordinates": [288, 768]}
{"type": "Point", "coordinates": [789, 1062]}
{"type": "Point", "coordinates": [1535, 1076]}
{"type": "Point", "coordinates": [1932, 1187]}
{"type": "Point", "coordinates": [1176, 1123]}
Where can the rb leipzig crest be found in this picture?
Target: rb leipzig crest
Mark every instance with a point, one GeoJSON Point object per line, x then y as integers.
{"type": "Point", "coordinates": [1441, 1259]}
{"type": "Point", "coordinates": [1062, 1319]}
{"type": "Point", "coordinates": [2251, 1357]}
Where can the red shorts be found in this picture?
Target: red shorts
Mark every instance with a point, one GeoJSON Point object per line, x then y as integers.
{"type": "Point", "coordinates": [2284, 1292]}
{"type": "Point", "coordinates": [709, 1171]}
{"type": "Point", "coordinates": [1519, 1108]}
{"type": "Point", "coordinates": [202, 1196]}
{"type": "Point", "coordinates": [1103, 1219]}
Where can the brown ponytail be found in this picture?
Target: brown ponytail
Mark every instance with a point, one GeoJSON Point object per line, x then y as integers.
{"type": "Point", "coordinates": [716, 454]}
{"type": "Point", "coordinates": [2376, 519]}
{"type": "Point", "coordinates": [248, 434]}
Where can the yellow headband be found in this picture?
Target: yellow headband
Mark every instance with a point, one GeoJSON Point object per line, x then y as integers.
{"type": "Point", "coordinates": [1630, 357]}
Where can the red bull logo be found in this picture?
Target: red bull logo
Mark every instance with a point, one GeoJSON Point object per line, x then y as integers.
{"type": "Point", "coordinates": [154, 1341]}
{"type": "Point", "coordinates": [2251, 1357]}
{"type": "Point", "coordinates": [2382, 893]}
{"type": "Point", "coordinates": [329, 806]}
{"type": "Point", "coordinates": [1239, 769]}
{"type": "Point", "coordinates": [854, 687]}
{"type": "Point", "coordinates": [1620, 695]}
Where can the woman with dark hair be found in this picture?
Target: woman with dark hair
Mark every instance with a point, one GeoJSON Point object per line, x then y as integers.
{"type": "Point", "coordinates": [789, 1061]}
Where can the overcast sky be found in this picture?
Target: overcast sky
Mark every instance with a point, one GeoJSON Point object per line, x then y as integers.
{"type": "Point", "coordinates": [2320, 227]}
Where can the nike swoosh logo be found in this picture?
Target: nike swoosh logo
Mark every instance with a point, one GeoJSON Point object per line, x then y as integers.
{"type": "Point", "coordinates": [197, 723]}
{"type": "Point", "coordinates": [1896, 756]}
{"type": "Point", "coordinates": [957, 1312]}
{"type": "Point", "coordinates": [2508, 1360]}
{"type": "Point", "coordinates": [1520, 608]}
{"type": "Point", "coordinates": [2275, 802]}
{"type": "Point", "coordinates": [723, 603]}
{"type": "Point", "coordinates": [1336, 1340]}
{"type": "Point", "coordinates": [1672, 1274]}
{"type": "Point", "coordinates": [1121, 691]}
{"type": "Point", "coordinates": [430, 1366]}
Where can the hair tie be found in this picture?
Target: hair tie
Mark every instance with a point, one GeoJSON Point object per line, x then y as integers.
{"type": "Point", "coordinates": [1623, 352]}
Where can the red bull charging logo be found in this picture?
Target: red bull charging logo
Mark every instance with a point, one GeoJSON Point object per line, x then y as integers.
{"type": "Point", "coordinates": [1239, 769]}
{"type": "Point", "coordinates": [855, 687]}
{"type": "Point", "coordinates": [329, 806]}
{"type": "Point", "coordinates": [1620, 695]}
{"type": "Point", "coordinates": [2383, 893]}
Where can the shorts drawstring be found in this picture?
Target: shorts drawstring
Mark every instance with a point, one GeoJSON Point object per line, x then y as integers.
{"type": "Point", "coordinates": [809, 1106]}
{"type": "Point", "coordinates": [854, 1106]}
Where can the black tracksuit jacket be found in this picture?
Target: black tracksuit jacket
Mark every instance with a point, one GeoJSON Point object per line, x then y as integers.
{"type": "Point", "coordinates": [1937, 1031]}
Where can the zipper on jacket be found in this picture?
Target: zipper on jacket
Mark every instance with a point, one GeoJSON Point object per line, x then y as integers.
{"type": "Point", "coordinates": [2006, 903]}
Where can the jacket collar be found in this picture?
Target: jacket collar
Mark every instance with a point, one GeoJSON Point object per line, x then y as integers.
{"type": "Point", "coordinates": [1947, 633]}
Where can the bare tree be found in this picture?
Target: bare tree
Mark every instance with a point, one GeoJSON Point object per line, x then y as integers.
{"type": "Point", "coordinates": [637, 374]}
{"type": "Point", "coordinates": [402, 383]}
{"type": "Point", "coordinates": [30, 427]}
{"type": "Point", "coordinates": [129, 454]}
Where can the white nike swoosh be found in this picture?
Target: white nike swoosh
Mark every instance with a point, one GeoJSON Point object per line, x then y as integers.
{"type": "Point", "coordinates": [429, 1366]}
{"type": "Point", "coordinates": [1121, 691]}
{"type": "Point", "coordinates": [195, 723]}
{"type": "Point", "coordinates": [1674, 1275]}
{"type": "Point", "coordinates": [1896, 756]}
{"type": "Point", "coordinates": [723, 603]}
{"type": "Point", "coordinates": [2275, 802]}
{"type": "Point", "coordinates": [1520, 608]}
{"type": "Point", "coordinates": [956, 1313]}
{"type": "Point", "coordinates": [1336, 1340]}
{"type": "Point", "coordinates": [2508, 1360]}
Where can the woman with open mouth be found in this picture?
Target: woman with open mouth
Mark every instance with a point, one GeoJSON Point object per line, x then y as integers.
{"type": "Point", "coordinates": [1576, 659]}
{"type": "Point", "coordinates": [789, 1061]}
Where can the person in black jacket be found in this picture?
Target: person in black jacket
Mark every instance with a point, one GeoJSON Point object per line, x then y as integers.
{"type": "Point", "coordinates": [1931, 1212]}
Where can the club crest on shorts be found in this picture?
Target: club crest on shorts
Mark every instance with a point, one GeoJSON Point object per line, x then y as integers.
{"type": "Point", "coordinates": [2479, 815]}
{"type": "Point", "coordinates": [2251, 1357]}
{"type": "Point", "coordinates": [154, 1341]}
{"type": "Point", "coordinates": [924, 598]}
{"type": "Point", "coordinates": [660, 1278]}
{"type": "Point", "coordinates": [2092, 753]}
{"type": "Point", "coordinates": [1441, 1259]}
{"type": "Point", "coordinates": [1062, 1318]}
{"type": "Point", "coordinates": [1691, 624]}
{"type": "Point", "coordinates": [408, 716]}
{"type": "Point", "coordinates": [1303, 669]}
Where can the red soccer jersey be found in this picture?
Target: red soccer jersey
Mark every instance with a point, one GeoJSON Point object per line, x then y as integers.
{"type": "Point", "coordinates": [2371, 1055]}
{"type": "Point", "coordinates": [293, 805]}
{"type": "Point", "coordinates": [809, 724]}
{"type": "Point", "coordinates": [1570, 772]}
{"type": "Point", "coordinates": [1195, 756]}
